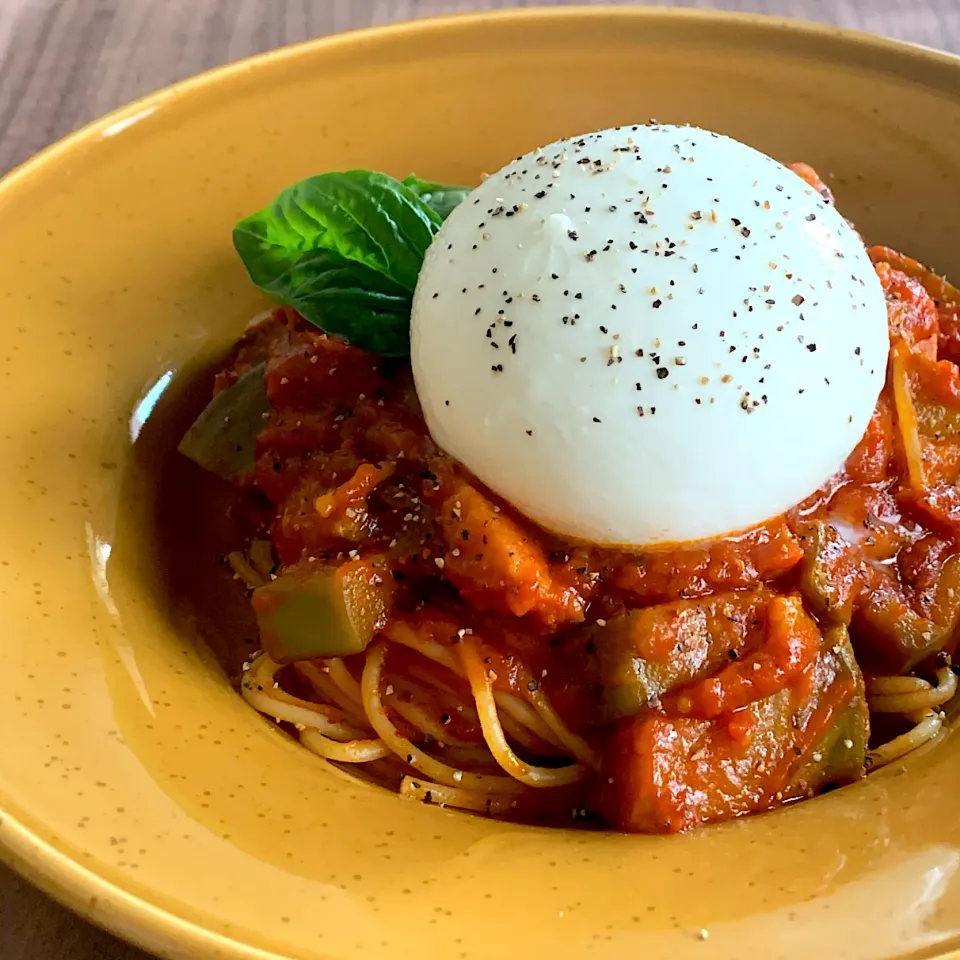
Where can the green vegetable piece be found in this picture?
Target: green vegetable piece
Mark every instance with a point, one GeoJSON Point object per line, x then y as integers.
{"type": "Point", "coordinates": [222, 439]}
{"type": "Point", "coordinates": [344, 250]}
{"type": "Point", "coordinates": [697, 770]}
{"type": "Point", "coordinates": [899, 637]}
{"type": "Point", "coordinates": [827, 582]}
{"type": "Point", "coordinates": [637, 657]}
{"type": "Point", "coordinates": [896, 636]}
{"type": "Point", "coordinates": [442, 198]}
{"type": "Point", "coordinates": [315, 612]}
{"type": "Point", "coordinates": [840, 755]}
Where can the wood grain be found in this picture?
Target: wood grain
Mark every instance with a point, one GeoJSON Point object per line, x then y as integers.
{"type": "Point", "coordinates": [64, 62]}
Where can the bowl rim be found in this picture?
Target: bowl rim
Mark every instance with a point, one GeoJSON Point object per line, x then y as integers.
{"type": "Point", "coordinates": [83, 890]}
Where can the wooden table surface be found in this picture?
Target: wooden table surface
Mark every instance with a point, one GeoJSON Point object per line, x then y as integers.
{"type": "Point", "coordinates": [64, 62]}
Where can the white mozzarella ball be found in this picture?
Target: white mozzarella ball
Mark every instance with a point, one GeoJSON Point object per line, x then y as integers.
{"type": "Point", "coordinates": [648, 335]}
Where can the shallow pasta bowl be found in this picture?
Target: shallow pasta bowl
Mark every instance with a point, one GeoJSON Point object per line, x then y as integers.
{"type": "Point", "coordinates": [135, 785]}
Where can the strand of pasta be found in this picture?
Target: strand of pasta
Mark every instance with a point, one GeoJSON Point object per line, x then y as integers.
{"type": "Point", "coordinates": [514, 708]}
{"type": "Point", "coordinates": [526, 719]}
{"type": "Point", "coordinates": [260, 689]}
{"type": "Point", "coordinates": [518, 732]}
{"type": "Point", "coordinates": [334, 686]}
{"type": "Point", "coordinates": [400, 745]}
{"type": "Point", "coordinates": [927, 724]}
{"type": "Point", "coordinates": [444, 796]}
{"type": "Point", "coordinates": [354, 751]}
{"type": "Point", "coordinates": [417, 716]}
{"type": "Point", "coordinates": [922, 696]}
{"type": "Point", "coordinates": [478, 758]}
{"type": "Point", "coordinates": [326, 689]}
{"type": "Point", "coordinates": [480, 683]}
{"type": "Point", "coordinates": [243, 569]}
{"type": "Point", "coordinates": [577, 746]}
{"type": "Point", "coordinates": [416, 672]}
{"type": "Point", "coordinates": [401, 633]}
{"type": "Point", "coordinates": [358, 750]}
{"type": "Point", "coordinates": [545, 728]}
{"type": "Point", "coordinates": [345, 680]}
{"type": "Point", "coordinates": [520, 721]}
{"type": "Point", "coordinates": [414, 692]}
{"type": "Point", "coordinates": [882, 686]}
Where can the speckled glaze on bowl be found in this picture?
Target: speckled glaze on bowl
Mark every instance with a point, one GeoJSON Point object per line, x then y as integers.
{"type": "Point", "coordinates": [134, 784]}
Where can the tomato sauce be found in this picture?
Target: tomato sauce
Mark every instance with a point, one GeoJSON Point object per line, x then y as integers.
{"type": "Point", "coordinates": [710, 676]}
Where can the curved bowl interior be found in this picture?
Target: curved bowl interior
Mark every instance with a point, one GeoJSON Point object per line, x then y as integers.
{"type": "Point", "coordinates": [133, 782]}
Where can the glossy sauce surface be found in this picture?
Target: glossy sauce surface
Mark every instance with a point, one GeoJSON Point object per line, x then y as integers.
{"type": "Point", "coordinates": [708, 676]}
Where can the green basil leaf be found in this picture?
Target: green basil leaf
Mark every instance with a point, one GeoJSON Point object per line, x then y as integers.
{"type": "Point", "coordinates": [365, 217]}
{"type": "Point", "coordinates": [443, 199]}
{"type": "Point", "coordinates": [347, 299]}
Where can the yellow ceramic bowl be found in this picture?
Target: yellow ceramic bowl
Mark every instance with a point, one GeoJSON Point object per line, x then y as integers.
{"type": "Point", "coordinates": [135, 785]}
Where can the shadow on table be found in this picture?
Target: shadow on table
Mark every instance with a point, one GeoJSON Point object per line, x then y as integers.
{"type": "Point", "coordinates": [33, 927]}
